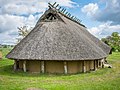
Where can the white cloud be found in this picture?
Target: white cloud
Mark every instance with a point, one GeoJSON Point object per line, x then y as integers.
{"type": "Point", "coordinates": [104, 30]}
{"type": "Point", "coordinates": [23, 9]}
{"type": "Point", "coordinates": [20, 7]}
{"type": "Point", "coordinates": [67, 3]}
{"type": "Point", "coordinates": [111, 12]}
{"type": "Point", "coordinates": [5, 38]}
{"type": "Point", "coordinates": [10, 22]}
{"type": "Point", "coordinates": [90, 9]}
{"type": "Point", "coordinates": [108, 11]}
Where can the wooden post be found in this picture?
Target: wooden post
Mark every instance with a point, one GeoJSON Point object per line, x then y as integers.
{"type": "Point", "coordinates": [15, 65]}
{"type": "Point", "coordinates": [102, 63]}
{"type": "Point", "coordinates": [54, 4]}
{"type": "Point", "coordinates": [98, 63]}
{"type": "Point", "coordinates": [65, 67]}
{"type": "Point", "coordinates": [24, 66]}
{"type": "Point", "coordinates": [95, 65]}
{"type": "Point", "coordinates": [89, 65]}
{"type": "Point", "coordinates": [42, 67]}
{"type": "Point", "coordinates": [84, 68]}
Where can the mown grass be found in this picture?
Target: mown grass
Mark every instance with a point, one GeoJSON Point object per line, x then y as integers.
{"type": "Point", "coordinates": [103, 79]}
{"type": "Point", "coordinates": [114, 56]}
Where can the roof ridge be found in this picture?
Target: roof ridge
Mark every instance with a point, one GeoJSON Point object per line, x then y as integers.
{"type": "Point", "coordinates": [65, 13]}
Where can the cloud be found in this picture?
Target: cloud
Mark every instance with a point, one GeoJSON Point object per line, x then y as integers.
{"type": "Point", "coordinates": [5, 38]}
{"type": "Point", "coordinates": [109, 12]}
{"type": "Point", "coordinates": [11, 22]}
{"type": "Point", "coordinates": [90, 9]}
{"type": "Point", "coordinates": [23, 9]}
{"type": "Point", "coordinates": [104, 30]}
{"type": "Point", "coordinates": [67, 3]}
{"type": "Point", "coordinates": [20, 7]}
{"type": "Point", "coordinates": [16, 13]}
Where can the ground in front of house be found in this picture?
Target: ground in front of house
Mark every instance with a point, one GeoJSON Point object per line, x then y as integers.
{"type": "Point", "coordinates": [103, 79]}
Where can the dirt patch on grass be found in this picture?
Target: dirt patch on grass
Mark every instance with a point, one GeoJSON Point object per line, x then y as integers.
{"type": "Point", "coordinates": [35, 89]}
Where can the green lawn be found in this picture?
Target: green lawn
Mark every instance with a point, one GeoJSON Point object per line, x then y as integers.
{"type": "Point", "coordinates": [103, 79]}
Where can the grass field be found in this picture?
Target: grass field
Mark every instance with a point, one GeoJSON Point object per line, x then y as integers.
{"type": "Point", "coordinates": [103, 79]}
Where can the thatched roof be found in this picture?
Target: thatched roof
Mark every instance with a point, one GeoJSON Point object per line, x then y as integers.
{"type": "Point", "coordinates": [56, 37]}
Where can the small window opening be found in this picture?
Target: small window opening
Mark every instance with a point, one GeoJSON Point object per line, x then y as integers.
{"type": "Point", "coordinates": [51, 16]}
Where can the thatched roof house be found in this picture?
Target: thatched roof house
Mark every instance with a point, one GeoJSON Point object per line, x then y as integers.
{"type": "Point", "coordinates": [59, 44]}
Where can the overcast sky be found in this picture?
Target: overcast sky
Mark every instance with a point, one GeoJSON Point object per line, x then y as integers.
{"type": "Point", "coordinates": [101, 17]}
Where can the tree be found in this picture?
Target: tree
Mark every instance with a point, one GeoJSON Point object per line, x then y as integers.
{"type": "Point", "coordinates": [113, 41]}
{"type": "Point", "coordinates": [23, 32]}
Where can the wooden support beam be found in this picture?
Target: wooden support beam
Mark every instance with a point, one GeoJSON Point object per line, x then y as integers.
{"type": "Point", "coordinates": [79, 20]}
{"type": "Point", "coordinates": [72, 17]}
{"type": "Point", "coordinates": [84, 67]}
{"type": "Point", "coordinates": [69, 15]}
{"type": "Point", "coordinates": [95, 65]}
{"type": "Point", "coordinates": [50, 17]}
{"type": "Point", "coordinates": [64, 10]}
{"type": "Point", "coordinates": [56, 5]}
{"type": "Point", "coordinates": [24, 66]}
{"type": "Point", "coordinates": [50, 5]}
{"type": "Point", "coordinates": [15, 65]}
{"type": "Point", "coordinates": [65, 67]}
{"type": "Point", "coordinates": [89, 65]}
{"type": "Point", "coordinates": [42, 66]}
{"type": "Point", "coordinates": [66, 13]}
{"type": "Point", "coordinates": [98, 63]}
{"type": "Point", "coordinates": [102, 63]}
{"type": "Point", "coordinates": [59, 8]}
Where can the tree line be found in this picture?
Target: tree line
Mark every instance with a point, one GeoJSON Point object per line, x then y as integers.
{"type": "Point", "coordinates": [113, 41]}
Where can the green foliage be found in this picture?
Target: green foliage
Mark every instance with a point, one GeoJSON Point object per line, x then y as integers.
{"type": "Point", "coordinates": [114, 56]}
{"type": "Point", "coordinates": [103, 79]}
{"type": "Point", "coordinates": [113, 41]}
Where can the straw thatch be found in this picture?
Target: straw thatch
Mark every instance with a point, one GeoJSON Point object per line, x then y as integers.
{"type": "Point", "coordinates": [56, 37]}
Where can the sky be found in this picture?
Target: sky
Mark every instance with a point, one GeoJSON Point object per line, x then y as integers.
{"type": "Point", "coordinates": [101, 17]}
